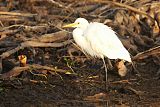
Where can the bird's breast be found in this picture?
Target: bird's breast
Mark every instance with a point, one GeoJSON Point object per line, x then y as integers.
{"type": "Point", "coordinates": [83, 42]}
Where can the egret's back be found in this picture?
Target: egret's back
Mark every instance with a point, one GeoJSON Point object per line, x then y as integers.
{"type": "Point", "coordinates": [104, 42]}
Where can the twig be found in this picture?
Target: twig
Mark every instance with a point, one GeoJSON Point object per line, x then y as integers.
{"type": "Point", "coordinates": [17, 70]}
{"type": "Point", "coordinates": [33, 44]}
{"type": "Point", "coordinates": [41, 44]}
{"type": "Point", "coordinates": [139, 93]}
{"type": "Point", "coordinates": [147, 53]}
{"type": "Point", "coordinates": [11, 18]}
{"type": "Point", "coordinates": [9, 32]}
{"type": "Point", "coordinates": [52, 37]}
{"type": "Point", "coordinates": [57, 3]}
{"type": "Point", "coordinates": [125, 6]}
{"type": "Point", "coordinates": [121, 81]}
{"type": "Point", "coordinates": [17, 14]}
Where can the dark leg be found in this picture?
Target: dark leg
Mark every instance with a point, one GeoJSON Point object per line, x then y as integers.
{"type": "Point", "coordinates": [106, 74]}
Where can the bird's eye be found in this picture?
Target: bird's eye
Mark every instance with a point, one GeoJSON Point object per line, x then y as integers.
{"type": "Point", "coordinates": [78, 23]}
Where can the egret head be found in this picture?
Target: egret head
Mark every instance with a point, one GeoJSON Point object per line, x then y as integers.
{"type": "Point", "coordinates": [79, 23]}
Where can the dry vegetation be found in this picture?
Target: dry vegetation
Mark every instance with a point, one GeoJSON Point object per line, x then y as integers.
{"type": "Point", "coordinates": [57, 72]}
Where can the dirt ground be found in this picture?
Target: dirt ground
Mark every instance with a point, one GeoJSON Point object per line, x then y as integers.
{"type": "Point", "coordinates": [77, 81]}
{"type": "Point", "coordinates": [82, 91]}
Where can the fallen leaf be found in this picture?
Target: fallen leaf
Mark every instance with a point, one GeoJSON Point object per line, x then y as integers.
{"type": "Point", "coordinates": [122, 70]}
{"type": "Point", "coordinates": [22, 60]}
{"type": "Point", "coordinates": [97, 97]}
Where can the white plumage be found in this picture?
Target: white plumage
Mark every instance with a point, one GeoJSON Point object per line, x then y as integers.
{"type": "Point", "coordinates": [98, 40]}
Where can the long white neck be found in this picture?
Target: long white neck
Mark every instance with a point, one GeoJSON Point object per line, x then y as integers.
{"type": "Point", "coordinates": [78, 36]}
{"type": "Point", "coordinates": [82, 42]}
{"type": "Point", "coordinates": [80, 39]}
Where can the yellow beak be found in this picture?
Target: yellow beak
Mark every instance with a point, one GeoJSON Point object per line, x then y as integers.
{"type": "Point", "coordinates": [70, 25]}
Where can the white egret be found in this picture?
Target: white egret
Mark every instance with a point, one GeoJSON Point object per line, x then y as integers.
{"type": "Point", "coordinates": [98, 40]}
